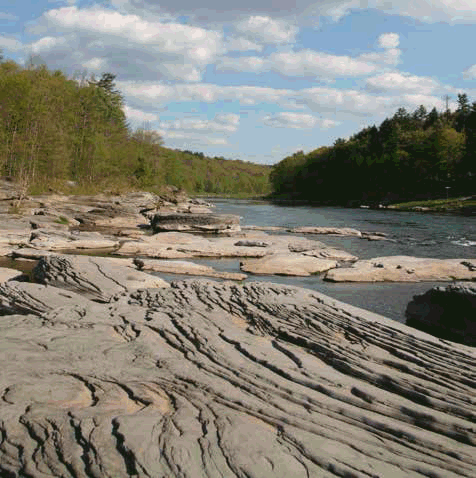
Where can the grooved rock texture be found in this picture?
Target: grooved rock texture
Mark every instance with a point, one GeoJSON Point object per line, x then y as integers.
{"type": "Point", "coordinates": [97, 278]}
{"type": "Point", "coordinates": [447, 312]}
{"type": "Point", "coordinates": [210, 380]}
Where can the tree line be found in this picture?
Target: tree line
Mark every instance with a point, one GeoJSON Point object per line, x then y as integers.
{"type": "Point", "coordinates": [411, 155]}
{"type": "Point", "coordinates": [55, 129]}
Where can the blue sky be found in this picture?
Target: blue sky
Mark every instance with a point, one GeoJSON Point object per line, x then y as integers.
{"type": "Point", "coordinates": [260, 80]}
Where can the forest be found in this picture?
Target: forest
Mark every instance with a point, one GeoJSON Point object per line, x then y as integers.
{"type": "Point", "coordinates": [56, 130]}
{"type": "Point", "coordinates": [409, 156]}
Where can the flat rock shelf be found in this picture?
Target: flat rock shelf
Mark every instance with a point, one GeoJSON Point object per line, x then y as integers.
{"type": "Point", "coordinates": [208, 379]}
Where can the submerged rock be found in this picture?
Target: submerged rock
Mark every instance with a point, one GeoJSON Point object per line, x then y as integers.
{"type": "Point", "coordinates": [447, 312]}
{"type": "Point", "coordinates": [209, 380]}
{"type": "Point", "coordinates": [405, 269]}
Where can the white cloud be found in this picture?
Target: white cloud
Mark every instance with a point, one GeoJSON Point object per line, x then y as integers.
{"type": "Point", "coordinates": [10, 44]}
{"type": "Point", "coordinates": [127, 45]}
{"type": "Point", "coordinates": [242, 44]}
{"type": "Point", "coordinates": [46, 44]}
{"type": "Point", "coordinates": [388, 40]}
{"type": "Point", "coordinates": [145, 92]}
{"type": "Point", "coordinates": [96, 64]}
{"type": "Point", "coordinates": [313, 63]}
{"type": "Point", "coordinates": [302, 63]}
{"type": "Point", "coordinates": [243, 63]}
{"type": "Point", "coordinates": [192, 42]}
{"type": "Point", "coordinates": [190, 140]}
{"type": "Point", "coordinates": [297, 121]}
{"type": "Point", "coordinates": [412, 101]}
{"type": "Point", "coordinates": [8, 16]}
{"type": "Point", "coordinates": [470, 73]}
{"type": "Point", "coordinates": [264, 29]}
{"type": "Point", "coordinates": [139, 116]}
{"type": "Point", "coordinates": [220, 124]}
{"type": "Point", "coordinates": [449, 11]}
{"type": "Point", "coordinates": [396, 82]}
{"type": "Point", "coordinates": [352, 102]}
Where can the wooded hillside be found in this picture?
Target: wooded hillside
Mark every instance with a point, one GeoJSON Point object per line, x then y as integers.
{"type": "Point", "coordinates": [409, 156]}
{"type": "Point", "coordinates": [54, 129]}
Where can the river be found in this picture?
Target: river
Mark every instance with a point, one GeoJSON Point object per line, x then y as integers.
{"type": "Point", "coordinates": [413, 234]}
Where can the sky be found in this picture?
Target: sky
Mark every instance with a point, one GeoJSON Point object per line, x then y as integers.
{"type": "Point", "coordinates": [260, 79]}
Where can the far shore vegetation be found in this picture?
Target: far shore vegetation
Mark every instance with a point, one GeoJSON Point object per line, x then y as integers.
{"type": "Point", "coordinates": [411, 156]}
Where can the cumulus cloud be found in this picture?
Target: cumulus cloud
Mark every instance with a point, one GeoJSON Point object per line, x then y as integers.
{"type": "Point", "coordinates": [10, 44]}
{"type": "Point", "coordinates": [352, 102]}
{"type": "Point", "coordinates": [190, 140]}
{"type": "Point", "coordinates": [346, 103]}
{"type": "Point", "coordinates": [297, 121]}
{"type": "Point", "coordinates": [139, 116]}
{"type": "Point", "coordinates": [396, 82]}
{"type": "Point", "coordinates": [470, 73]}
{"type": "Point", "coordinates": [128, 45]}
{"type": "Point", "coordinates": [8, 16]}
{"type": "Point", "coordinates": [145, 93]}
{"type": "Point", "coordinates": [301, 63]}
{"type": "Point", "coordinates": [313, 63]}
{"type": "Point", "coordinates": [264, 29]}
{"type": "Point", "coordinates": [237, 43]}
{"type": "Point", "coordinates": [388, 40]}
{"type": "Point", "coordinates": [450, 11]}
{"type": "Point", "coordinates": [220, 124]}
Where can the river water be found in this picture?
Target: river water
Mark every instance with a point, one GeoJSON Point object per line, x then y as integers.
{"type": "Point", "coordinates": [413, 234]}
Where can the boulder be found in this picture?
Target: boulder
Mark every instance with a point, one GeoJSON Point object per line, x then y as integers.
{"type": "Point", "coordinates": [209, 380]}
{"type": "Point", "coordinates": [288, 264]}
{"type": "Point", "coordinates": [97, 278]}
{"type": "Point", "coordinates": [204, 223]}
{"type": "Point", "coordinates": [184, 267]}
{"type": "Point", "coordinates": [447, 312]}
{"type": "Point", "coordinates": [405, 269]}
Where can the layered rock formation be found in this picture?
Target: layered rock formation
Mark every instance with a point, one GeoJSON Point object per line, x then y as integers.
{"type": "Point", "coordinates": [209, 380]}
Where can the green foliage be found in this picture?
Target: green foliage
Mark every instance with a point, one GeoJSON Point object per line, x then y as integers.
{"type": "Point", "coordinates": [54, 129]}
{"type": "Point", "coordinates": [62, 220]}
{"type": "Point", "coordinates": [409, 156]}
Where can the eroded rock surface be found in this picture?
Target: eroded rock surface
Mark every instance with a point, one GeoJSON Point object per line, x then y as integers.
{"type": "Point", "coordinates": [447, 312]}
{"type": "Point", "coordinates": [97, 278]}
{"type": "Point", "coordinates": [185, 267]}
{"type": "Point", "coordinates": [210, 380]}
{"type": "Point", "coordinates": [405, 269]}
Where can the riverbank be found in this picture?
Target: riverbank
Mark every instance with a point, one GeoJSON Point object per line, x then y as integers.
{"type": "Point", "coordinates": [461, 205]}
